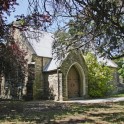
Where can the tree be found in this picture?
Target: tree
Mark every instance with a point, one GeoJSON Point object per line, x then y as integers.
{"type": "Point", "coordinates": [13, 66]}
{"type": "Point", "coordinates": [34, 18]}
{"type": "Point", "coordinates": [100, 77]}
{"type": "Point", "coordinates": [98, 23]}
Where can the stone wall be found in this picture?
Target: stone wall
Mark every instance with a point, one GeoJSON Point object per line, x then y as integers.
{"type": "Point", "coordinates": [53, 85]}
{"type": "Point", "coordinates": [38, 84]}
{"type": "Point", "coordinates": [21, 40]}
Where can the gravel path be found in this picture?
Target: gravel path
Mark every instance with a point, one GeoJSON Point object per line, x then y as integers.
{"type": "Point", "coordinates": [95, 100]}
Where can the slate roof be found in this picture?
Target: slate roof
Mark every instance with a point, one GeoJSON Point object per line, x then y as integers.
{"type": "Point", "coordinates": [41, 42]}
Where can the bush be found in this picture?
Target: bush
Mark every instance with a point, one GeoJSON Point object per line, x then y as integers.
{"type": "Point", "coordinates": [100, 77]}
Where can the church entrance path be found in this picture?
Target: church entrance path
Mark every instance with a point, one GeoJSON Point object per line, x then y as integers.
{"type": "Point", "coordinates": [92, 101]}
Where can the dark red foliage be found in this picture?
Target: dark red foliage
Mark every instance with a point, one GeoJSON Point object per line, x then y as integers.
{"type": "Point", "coordinates": [17, 54]}
{"type": "Point", "coordinates": [12, 62]}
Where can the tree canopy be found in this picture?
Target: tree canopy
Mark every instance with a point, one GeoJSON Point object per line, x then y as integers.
{"type": "Point", "coordinates": [98, 24]}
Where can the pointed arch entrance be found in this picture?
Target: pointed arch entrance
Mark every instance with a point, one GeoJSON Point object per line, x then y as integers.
{"type": "Point", "coordinates": [73, 82]}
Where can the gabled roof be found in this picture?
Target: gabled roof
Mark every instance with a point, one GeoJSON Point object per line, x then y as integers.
{"type": "Point", "coordinates": [41, 42]}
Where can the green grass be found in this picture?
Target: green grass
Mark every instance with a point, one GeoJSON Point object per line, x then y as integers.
{"type": "Point", "coordinates": [38, 112]}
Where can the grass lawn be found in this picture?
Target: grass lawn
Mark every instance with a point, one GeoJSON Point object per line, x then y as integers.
{"type": "Point", "coordinates": [49, 112]}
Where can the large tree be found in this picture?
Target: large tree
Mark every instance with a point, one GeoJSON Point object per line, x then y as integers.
{"type": "Point", "coordinates": [98, 23]}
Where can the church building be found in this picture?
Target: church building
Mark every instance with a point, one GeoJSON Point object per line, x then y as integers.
{"type": "Point", "coordinates": [52, 78]}
{"type": "Point", "coordinates": [48, 77]}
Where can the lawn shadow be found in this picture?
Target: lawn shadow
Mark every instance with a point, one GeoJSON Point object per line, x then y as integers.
{"type": "Point", "coordinates": [75, 121]}
{"type": "Point", "coordinates": [49, 111]}
{"type": "Point", "coordinates": [37, 112]}
{"type": "Point", "coordinates": [114, 117]}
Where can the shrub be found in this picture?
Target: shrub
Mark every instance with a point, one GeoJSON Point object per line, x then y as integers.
{"type": "Point", "coordinates": [100, 77]}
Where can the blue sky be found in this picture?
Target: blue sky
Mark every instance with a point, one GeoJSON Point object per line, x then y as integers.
{"type": "Point", "coordinates": [19, 9]}
{"type": "Point", "coordinates": [22, 9]}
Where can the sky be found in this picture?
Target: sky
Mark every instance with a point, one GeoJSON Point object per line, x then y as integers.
{"type": "Point", "coordinates": [19, 9]}
{"type": "Point", "coordinates": [22, 8]}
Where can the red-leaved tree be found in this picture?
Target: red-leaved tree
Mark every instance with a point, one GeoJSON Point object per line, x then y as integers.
{"type": "Point", "coordinates": [13, 66]}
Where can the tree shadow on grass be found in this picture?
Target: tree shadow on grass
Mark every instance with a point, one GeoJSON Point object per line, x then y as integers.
{"type": "Point", "coordinates": [75, 121]}
{"type": "Point", "coordinates": [40, 112]}
{"type": "Point", "coordinates": [114, 117]}
{"type": "Point", "coordinates": [48, 112]}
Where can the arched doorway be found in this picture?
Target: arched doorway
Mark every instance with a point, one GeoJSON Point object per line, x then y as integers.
{"type": "Point", "coordinates": [73, 82]}
{"type": "Point", "coordinates": [76, 60]}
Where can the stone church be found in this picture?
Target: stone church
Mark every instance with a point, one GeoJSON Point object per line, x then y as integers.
{"type": "Point", "coordinates": [52, 79]}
